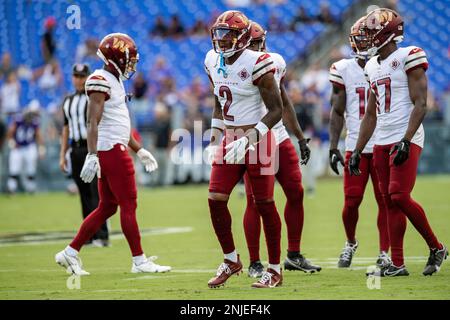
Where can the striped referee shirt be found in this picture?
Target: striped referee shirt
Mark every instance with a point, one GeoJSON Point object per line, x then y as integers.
{"type": "Point", "coordinates": [75, 115]}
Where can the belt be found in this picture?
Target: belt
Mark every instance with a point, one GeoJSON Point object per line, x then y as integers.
{"type": "Point", "coordinates": [79, 144]}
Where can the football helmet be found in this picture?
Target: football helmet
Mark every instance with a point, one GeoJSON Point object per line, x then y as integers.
{"type": "Point", "coordinates": [383, 25]}
{"type": "Point", "coordinates": [120, 50]}
{"type": "Point", "coordinates": [258, 36]}
{"type": "Point", "coordinates": [230, 33]}
{"type": "Point", "coordinates": [359, 39]}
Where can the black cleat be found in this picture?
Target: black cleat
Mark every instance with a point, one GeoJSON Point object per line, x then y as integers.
{"type": "Point", "coordinates": [390, 271]}
{"type": "Point", "coordinates": [383, 260]}
{"type": "Point", "coordinates": [435, 260]}
{"type": "Point", "coordinates": [256, 269]}
{"type": "Point", "coordinates": [299, 262]}
{"type": "Point", "coordinates": [345, 259]}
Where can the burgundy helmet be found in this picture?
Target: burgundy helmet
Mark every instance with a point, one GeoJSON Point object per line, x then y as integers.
{"type": "Point", "coordinates": [231, 33]}
{"type": "Point", "coordinates": [383, 25]}
{"type": "Point", "coordinates": [359, 38]}
{"type": "Point", "coordinates": [119, 50]}
{"type": "Point", "coordinates": [258, 35]}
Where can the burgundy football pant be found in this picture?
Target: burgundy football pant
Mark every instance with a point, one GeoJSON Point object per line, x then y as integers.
{"type": "Point", "coordinates": [354, 188]}
{"type": "Point", "coordinates": [290, 179]}
{"type": "Point", "coordinates": [116, 187]}
{"type": "Point", "coordinates": [224, 177]}
{"type": "Point", "coordinates": [396, 184]}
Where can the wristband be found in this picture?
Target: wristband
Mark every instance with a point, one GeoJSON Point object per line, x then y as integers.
{"type": "Point", "coordinates": [217, 123]}
{"type": "Point", "coordinates": [262, 128]}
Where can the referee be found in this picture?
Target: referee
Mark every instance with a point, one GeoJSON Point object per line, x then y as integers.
{"type": "Point", "coordinates": [74, 135]}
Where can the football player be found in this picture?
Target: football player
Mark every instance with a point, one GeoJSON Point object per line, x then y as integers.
{"type": "Point", "coordinates": [348, 102]}
{"type": "Point", "coordinates": [244, 84]}
{"type": "Point", "coordinates": [397, 107]}
{"type": "Point", "coordinates": [109, 134]}
{"type": "Point", "coordinates": [288, 175]}
{"type": "Point", "coordinates": [27, 145]}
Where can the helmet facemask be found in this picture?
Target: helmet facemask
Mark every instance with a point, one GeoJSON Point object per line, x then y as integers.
{"type": "Point", "coordinates": [226, 39]}
{"type": "Point", "coordinates": [361, 46]}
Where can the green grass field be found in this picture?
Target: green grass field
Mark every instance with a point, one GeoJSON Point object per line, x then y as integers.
{"type": "Point", "coordinates": [28, 271]}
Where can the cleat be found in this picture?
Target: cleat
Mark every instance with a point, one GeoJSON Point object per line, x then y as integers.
{"type": "Point", "coordinates": [150, 267]}
{"type": "Point", "coordinates": [300, 263]}
{"type": "Point", "coordinates": [435, 260]}
{"type": "Point", "coordinates": [225, 270]}
{"type": "Point", "coordinates": [345, 259]}
{"type": "Point", "coordinates": [383, 260]}
{"type": "Point", "coordinates": [270, 279]}
{"type": "Point", "coordinates": [100, 243]}
{"type": "Point", "coordinates": [73, 265]}
{"type": "Point", "coordinates": [390, 271]}
{"type": "Point", "coordinates": [256, 269]}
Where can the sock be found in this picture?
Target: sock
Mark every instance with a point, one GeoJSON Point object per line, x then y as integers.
{"type": "Point", "coordinates": [140, 259]}
{"type": "Point", "coordinates": [350, 215]}
{"type": "Point", "coordinates": [293, 254]}
{"type": "Point", "coordinates": [382, 224]}
{"type": "Point", "coordinates": [275, 267]}
{"type": "Point", "coordinates": [272, 229]}
{"type": "Point", "coordinates": [252, 228]}
{"type": "Point", "coordinates": [416, 215]}
{"type": "Point", "coordinates": [232, 256]}
{"type": "Point", "coordinates": [396, 228]}
{"type": "Point", "coordinates": [294, 215]}
{"type": "Point", "coordinates": [221, 220]}
{"type": "Point", "coordinates": [71, 251]}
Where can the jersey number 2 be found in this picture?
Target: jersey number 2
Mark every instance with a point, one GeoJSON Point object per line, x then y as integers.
{"type": "Point", "coordinates": [225, 92]}
{"type": "Point", "coordinates": [361, 91]}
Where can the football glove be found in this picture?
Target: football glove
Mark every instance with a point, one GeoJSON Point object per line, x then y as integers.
{"type": "Point", "coordinates": [305, 151]}
{"type": "Point", "coordinates": [353, 164]}
{"type": "Point", "coordinates": [402, 149]}
{"type": "Point", "coordinates": [210, 153]}
{"type": "Point", "coordinates": [236, 150]}
{"type": "Point", "coordinates": [91, 167]}
{"type": "Point", "coordinates": [147, 160]}
{"type": "Point", "coordinates": [335, 158]}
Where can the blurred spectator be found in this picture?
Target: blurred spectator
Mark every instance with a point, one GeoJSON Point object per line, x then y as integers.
{"type": "Point", "coordinates": [199, 28]}
{"type": "Point", "coordinates": [391, 4]}
{"type": "Point", "coordinates": [87, 51]}
{"type": "Point", "coordinates": [139, 102]}
{"type": "Point", "coordinates": [6, 66]}
{"type": "Point", "coordinates": [301, 17]}
{"type": "Point", "coordinates": [316, 76]}
{"type": "Point", "coordinates": [160, 28]}
{"type": "Point", "coordinates": [158, 73]}
{"type": "Point", "coordinates": [10, 95]}
{"type": "Point", "coordinates": [274, 24]}
{"type": "Point", "coordinates": [49, 76]}
{"type": "Point", "coordinates": [325, 14]}
{"type": "Point", "coordinates": [48, 45]}
{"type": "Point", "coordinates": [176, 29]}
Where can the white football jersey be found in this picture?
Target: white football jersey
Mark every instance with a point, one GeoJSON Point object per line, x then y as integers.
{"type": "Point", "coordinates": [389, 82]}
{"type": "Point", "coordinates": [279, 129]}
{"type": "Point", "coordinates": [237, 90]}
{"type": "Point", "coordinates": [115, 126]}
{"type": "Point", "coordinates": [348, 74]}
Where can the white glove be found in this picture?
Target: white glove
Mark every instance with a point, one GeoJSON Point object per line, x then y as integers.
{"type": "Point", "coordinates": [237, 150]}
{"type": "Point", "coordinates": [91, 167]}
{"type": "Point", "coordinates": [210, 153]}
{"type": "Point", "coordinates": [147, 160]}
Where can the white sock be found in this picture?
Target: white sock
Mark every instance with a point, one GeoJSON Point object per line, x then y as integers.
{"type": "Point", "coordinates": [71, 251]}
{"type": "Point", "coordinates": [232, 256]}
{"type": "Point", "coordinates": [275, 267]}
{"type": "Point", "coordinates": [137, 260]}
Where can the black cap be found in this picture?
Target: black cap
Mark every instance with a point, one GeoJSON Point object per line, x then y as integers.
{"type": "Point", "coordinates": [81, 69]}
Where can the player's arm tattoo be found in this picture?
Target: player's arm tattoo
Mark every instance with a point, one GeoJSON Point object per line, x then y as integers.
{"type": "Point", "coordinates": [368, 123]}
{"type": "Point", "coordinates": [417, 85]}
{"type": "Point", "coordinates": [338, 101]}
{"type": "Point", "coordinates": [94, 115]}
{"type": "Point", "coordinates": [272, 99]}
{"type": "Point", "coordinates": [216, 133]}
{"type": "Point", "coordinates": [289, 116]}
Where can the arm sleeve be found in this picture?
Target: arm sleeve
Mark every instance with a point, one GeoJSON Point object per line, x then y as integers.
{"type": "Point", "coordinates": [263, 65]}
{"type": "Point", "coordinates": [416, 59]}
{"type": "Point", "coordinates": [335, 77]}
{"type": "Point", "coordinates": [97, 83]}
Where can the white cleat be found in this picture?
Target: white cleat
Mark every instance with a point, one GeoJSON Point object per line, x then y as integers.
{"type": "Point", "coordinates": [149, 267]}
{"type": "Point", "coordinates": [73, 265]}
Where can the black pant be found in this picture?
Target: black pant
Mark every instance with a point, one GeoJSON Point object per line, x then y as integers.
{"type": "Point", "coordinates": [88, 191]}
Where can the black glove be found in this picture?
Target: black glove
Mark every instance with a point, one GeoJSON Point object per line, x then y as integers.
{"type": "Point", "coordinates": [402, 149]}
{"type": "Point", "coordinates": [353, 164]}
{"type": "Point", "coordinates": [305, 151]}
{"type": "Point", "coordinates": [335, 158]}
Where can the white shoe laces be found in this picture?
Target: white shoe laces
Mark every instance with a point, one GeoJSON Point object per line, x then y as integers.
{"type": "Point", "coordinates": [348, 251]}
{"type": "Point", "coordinates": [266, 278]}
{"type": "Point", "coordinates": [223, 268]}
